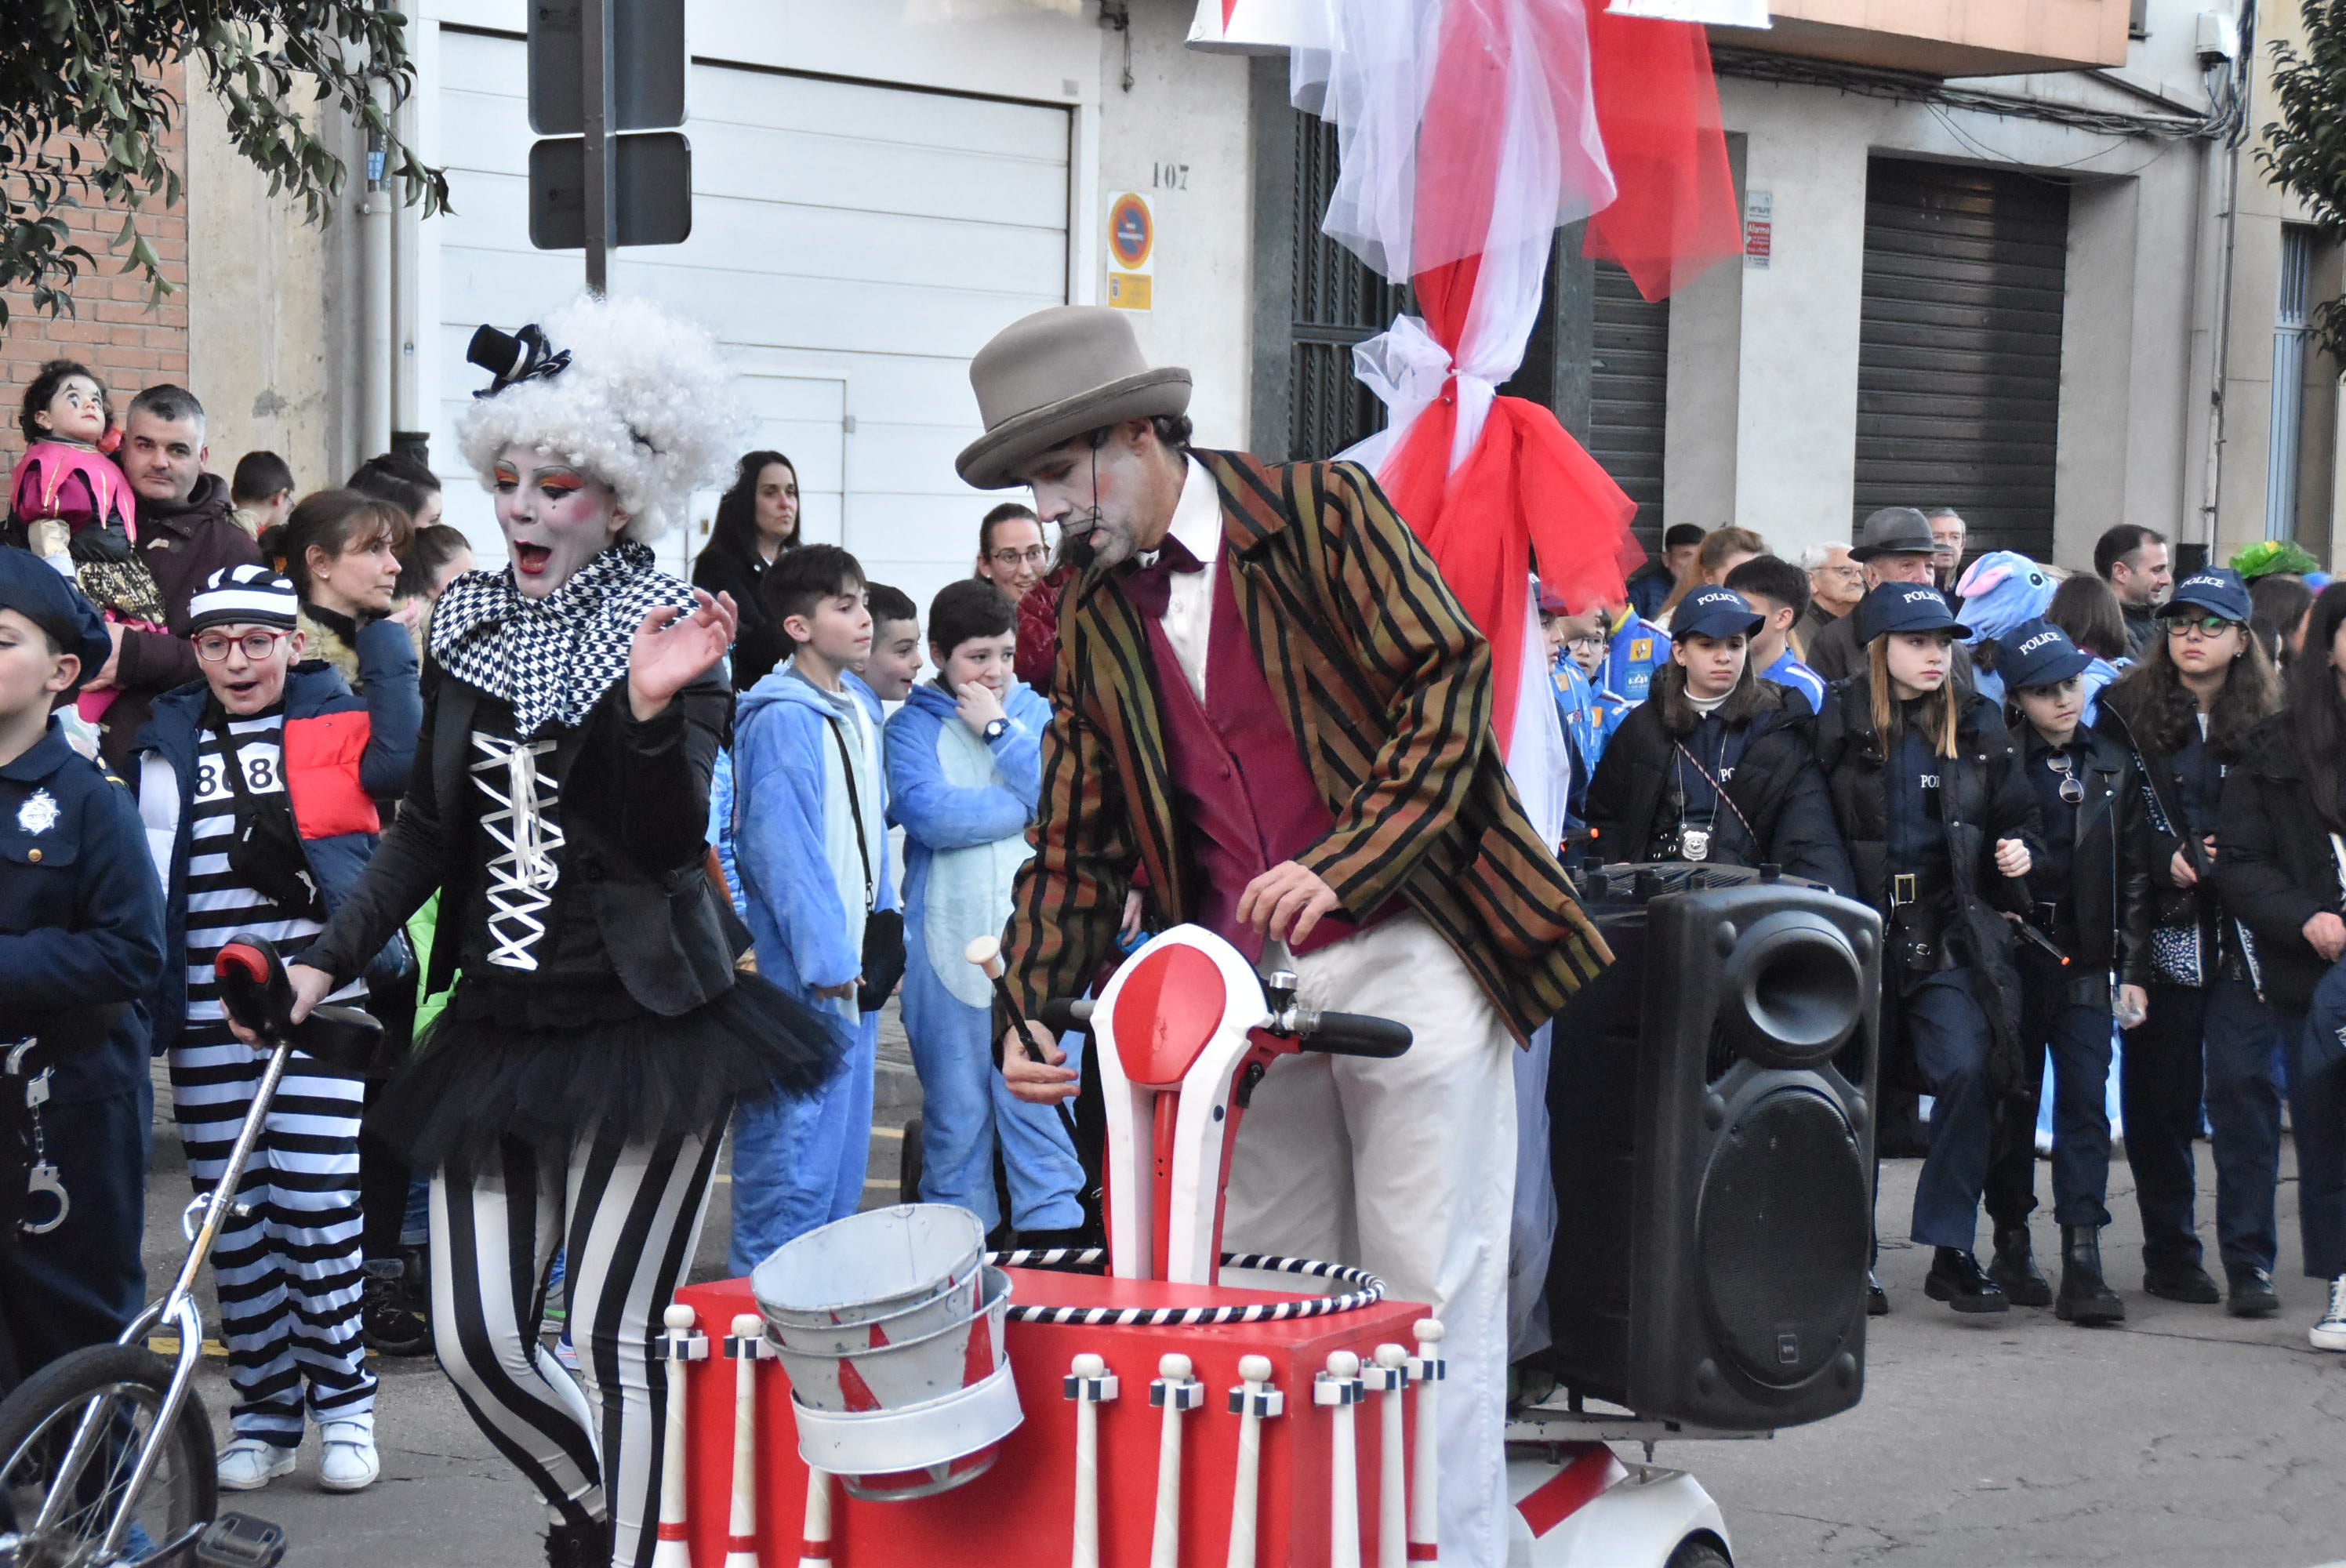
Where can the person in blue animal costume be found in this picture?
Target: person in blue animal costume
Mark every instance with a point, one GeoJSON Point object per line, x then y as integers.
{"type": "Point", "coordinates": [965, 769]}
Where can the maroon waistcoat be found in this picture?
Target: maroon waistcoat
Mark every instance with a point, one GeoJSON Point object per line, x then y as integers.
{"type": "Point", "coordinates": [1250, 800]}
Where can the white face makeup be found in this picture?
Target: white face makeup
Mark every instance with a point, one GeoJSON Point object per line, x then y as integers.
{"type": "Point", "coordinates": [1105, 500]}
{"type": "Point", "coordinates": [77, 412]}
{"type": "Point", "coordinates": [555, 518]}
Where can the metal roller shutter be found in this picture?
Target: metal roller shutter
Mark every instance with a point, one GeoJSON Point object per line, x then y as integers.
{"type": "Point", "coordinates": [1630, 379]}
{"type": "Point", "coordinates": [1336, 303]}
{"type": "Point", "coordinates": [1959, 365]}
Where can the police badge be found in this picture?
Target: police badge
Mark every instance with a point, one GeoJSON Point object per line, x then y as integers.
{"type": "Point", "coordinates": [39, 813]}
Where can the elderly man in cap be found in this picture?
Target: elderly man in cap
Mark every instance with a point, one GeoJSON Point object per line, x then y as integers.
{"type": "Point", "coordinates": [81, 949]}
{"type": "Point", "coordinates": [1894, 545]}
{"type": "Point", "coordinates": [1268, 702]}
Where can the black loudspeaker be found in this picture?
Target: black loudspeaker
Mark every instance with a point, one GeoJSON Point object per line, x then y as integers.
{"type": "Point", "coordinates": [1713, 1149]}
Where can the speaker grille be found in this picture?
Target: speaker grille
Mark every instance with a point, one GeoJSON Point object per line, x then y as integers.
{"type": "Point", "coordinates": [1781, 1229]}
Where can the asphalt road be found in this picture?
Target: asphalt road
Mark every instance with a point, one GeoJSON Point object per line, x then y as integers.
{"type": "Point", "coordinates": [2185, 1438]}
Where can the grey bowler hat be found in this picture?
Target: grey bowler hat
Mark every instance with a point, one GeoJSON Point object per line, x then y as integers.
{"type": "Point", "coordinates": [1893, 531]}
{"type": "Point", "coordinates": [1054, 375]}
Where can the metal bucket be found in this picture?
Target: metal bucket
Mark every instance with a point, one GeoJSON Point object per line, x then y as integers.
{"type": "Point", "coordinates": [891, 1456]}
{"type": "Point", "coordinates": [868, 1266]}
{"type": "Point", "coordinates": [962, 1352]}
{"type": "Point", "coordinates": [964, 1298]}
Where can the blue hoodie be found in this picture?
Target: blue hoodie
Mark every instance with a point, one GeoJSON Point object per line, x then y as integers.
{"type": "Point", "coordinates": [964, 806]}
{"type": "Point", "coordinates": [794, 841]}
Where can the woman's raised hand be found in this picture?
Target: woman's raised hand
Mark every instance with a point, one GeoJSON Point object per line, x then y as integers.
{"type": "Point", "coordinates": [673, 648]}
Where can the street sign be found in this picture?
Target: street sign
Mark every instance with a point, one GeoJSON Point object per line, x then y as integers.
{"type": "Point", "coordinates": [652, 204]}
{"type": "Point", "coordinates": [647, 66]}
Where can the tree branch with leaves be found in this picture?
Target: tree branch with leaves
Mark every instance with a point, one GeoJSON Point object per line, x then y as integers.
{"type": "Point", "coordinates": [2304, 151]}
{"type": "Point", "coordinates": [84, 110]}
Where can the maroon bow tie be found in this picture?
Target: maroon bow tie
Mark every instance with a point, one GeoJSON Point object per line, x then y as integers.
{"type": "Point", "coordinates": [1151, 587]}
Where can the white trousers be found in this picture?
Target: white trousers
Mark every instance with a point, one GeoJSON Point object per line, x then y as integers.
{"type": "Point", "coordinates": [1405, 1167]}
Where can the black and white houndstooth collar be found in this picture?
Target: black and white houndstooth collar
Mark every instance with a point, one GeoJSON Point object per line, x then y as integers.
{"type": "Point", "coordinates": [550, 659]}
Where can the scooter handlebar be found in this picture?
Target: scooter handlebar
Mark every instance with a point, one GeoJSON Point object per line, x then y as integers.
{"type": "Point", "coordinates": [256, 992]}
{"type": "Point", "coordinates": [1332, 1034]}
{"type": "Point", "coordinates": [1066, 1015]}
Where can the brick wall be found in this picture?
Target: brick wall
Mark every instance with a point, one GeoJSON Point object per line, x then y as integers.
{"type": "Point", "coordinates": [112, 330]}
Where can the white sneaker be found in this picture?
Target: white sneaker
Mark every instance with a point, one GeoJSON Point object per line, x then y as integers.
{"type": "Point", "coordinates": [247, 1464]}
{"type": "Point", "coordinates": [2330, 1334]}
{"type": "Point", "coordinates": [347, 1459]}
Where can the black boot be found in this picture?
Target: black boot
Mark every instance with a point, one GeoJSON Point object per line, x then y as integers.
{"type": "Point", "coordinates": [574, 1544]}
{"type": "Point", "coordinates": [2180, 1279]}
{"type": "Point", "coordinates": [2086, 1297]}
{"type": "Point", "coordinates": [1877, 1299]}
{"type": "Point", "coordinates": [1957, 1279]}
{"type": "Point", "coordinates": [2013, 1267]}
{"type": "Point", "coordinates": [2252, 1294]}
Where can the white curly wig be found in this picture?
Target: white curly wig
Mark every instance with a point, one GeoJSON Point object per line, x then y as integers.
{"type": "Point", "coordinates": [645, 405]}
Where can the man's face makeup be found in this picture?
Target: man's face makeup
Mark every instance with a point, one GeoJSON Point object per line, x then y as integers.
{"type": "Point", "coordinates": [555, 518]}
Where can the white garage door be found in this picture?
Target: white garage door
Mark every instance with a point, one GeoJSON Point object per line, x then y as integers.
{"type": "Point", "coordinates": [852, 246]}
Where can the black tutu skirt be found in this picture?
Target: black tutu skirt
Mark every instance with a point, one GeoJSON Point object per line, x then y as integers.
{"type": "Point", "coordinates": [548, 1063]}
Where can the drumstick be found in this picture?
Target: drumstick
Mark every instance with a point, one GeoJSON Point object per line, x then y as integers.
{"type": "Point", "coordinates": [985, 951]}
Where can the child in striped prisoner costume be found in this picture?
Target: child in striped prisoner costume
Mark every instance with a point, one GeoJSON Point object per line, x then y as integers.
{"type": "Point", "coordinates": [253, 786]}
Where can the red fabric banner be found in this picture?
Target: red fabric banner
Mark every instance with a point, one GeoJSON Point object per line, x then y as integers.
{"type": "Point", "coordinates": [1658, 105]}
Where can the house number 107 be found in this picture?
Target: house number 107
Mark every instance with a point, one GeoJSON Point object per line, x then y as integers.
{"type": "Point", "coordinates": [1170, 176]}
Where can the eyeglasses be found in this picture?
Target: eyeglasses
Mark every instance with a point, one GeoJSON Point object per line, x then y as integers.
{"type": "Point", "coordinates": [2208, 626]}
{"type": "Point", "coordinates": [1585, 642]}
{"type": "Point", "coordinates": [1011, 560]}
{"type": "Point", "coordinates": [212, 647]}
{"type": "Point", "coordinates": [1842, 571]}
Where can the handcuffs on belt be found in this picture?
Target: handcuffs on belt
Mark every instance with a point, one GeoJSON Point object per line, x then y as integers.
{"type": "Point", "coordinates": [41, 1176]}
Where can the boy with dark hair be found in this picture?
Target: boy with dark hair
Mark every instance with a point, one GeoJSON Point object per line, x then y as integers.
{"type": "Point", "coordinates": [258, 787]}
{"type": "Point", "coordinates": [964, 771]}
{"type": "Point", "coordinates": [81, 949]}
{"type": "Point", "coordinates": [1777, 591]}
{"type": "Point", "coordinates": [895, 661]}
{"type": "Point", "coordinates": [261, 490]}
{"type": "Point", "coordinates": [810, 846]}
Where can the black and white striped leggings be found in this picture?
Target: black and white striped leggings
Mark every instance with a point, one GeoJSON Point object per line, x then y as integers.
{"type": "Point", "coordinates": [628, 1213]}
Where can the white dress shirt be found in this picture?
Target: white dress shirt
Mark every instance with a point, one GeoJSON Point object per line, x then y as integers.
{"type": "Point", "coordinates": [1189, 597]}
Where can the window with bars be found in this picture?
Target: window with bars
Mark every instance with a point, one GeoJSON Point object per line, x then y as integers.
{"type": "Point", "coordinates": [1336, 301]}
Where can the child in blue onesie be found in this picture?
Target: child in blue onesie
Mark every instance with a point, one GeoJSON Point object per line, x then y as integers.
{"type": "Point", "coordinates": [964, 770]}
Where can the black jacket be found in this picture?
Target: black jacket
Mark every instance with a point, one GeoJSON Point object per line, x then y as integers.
{"type": "Point", "coordinates": [2274, 866]}
{"type": "Point", "coordinates": [758, 641]}
{"type": "Point", "coordinates": [635, 819]}
{"type": "Point", "coordinates": [1776, 787]}
{"type": "Point", "coordinates": [1983, 798]}
{"type": "Point", "coordinates": [2197, 908]}
{"type": "Point", "coordinates": [2109, 865]}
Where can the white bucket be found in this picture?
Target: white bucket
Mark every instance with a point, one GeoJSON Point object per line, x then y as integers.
{"type": "Point", "coordinates": [889, 1456]}
{"type": "Point", "coordinates": [963, 1300]}
{"type": "Point", "coordinates": [917, 1371]}
{"type": "Point", "coordinates": [868, 1266]}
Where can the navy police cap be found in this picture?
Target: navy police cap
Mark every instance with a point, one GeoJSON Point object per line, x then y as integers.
{"type": "Point", "coordinates": [48, 597]}
{"type": "Point", "coordinates": [2212, 590]}
{"type": "Point", "coordinates": [2038, 653]}
{"type": "Point", "coordinates": [1715, 612]}
{"type": "Point", "coordinates": [1906, 608]}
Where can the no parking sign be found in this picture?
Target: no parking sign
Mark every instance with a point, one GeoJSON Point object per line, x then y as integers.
{"type": "Point", "coordinates": [1131, 251]}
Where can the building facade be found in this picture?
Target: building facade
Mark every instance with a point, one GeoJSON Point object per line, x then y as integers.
{"type": "Point", "coordinates": [2012, 255]}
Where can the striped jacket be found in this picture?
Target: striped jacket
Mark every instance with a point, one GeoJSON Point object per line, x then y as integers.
{"type": "Point", "coordinates": [1388, 685]}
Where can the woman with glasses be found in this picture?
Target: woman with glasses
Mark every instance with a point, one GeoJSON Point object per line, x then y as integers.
{"type": "Point", "coordinates": [1941, 829]}
{"type": "Point", "coordinates": [2085, 951]}
{"type": "Point", "coordinates": [756, 520]}
{"type": "Point", "coordinates": [2282, 838]}
{"type": "Point", "coordinates": [2186, 711]}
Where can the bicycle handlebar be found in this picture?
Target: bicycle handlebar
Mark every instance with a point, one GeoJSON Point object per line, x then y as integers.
{"type": "Point", "coordinates": [1331, 1033]}
{"type": "Point", "coordinates": [256, 992]}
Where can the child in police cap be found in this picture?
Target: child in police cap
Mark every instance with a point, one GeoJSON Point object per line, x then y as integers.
{"type": "Point", "coordinates": [81, 949]}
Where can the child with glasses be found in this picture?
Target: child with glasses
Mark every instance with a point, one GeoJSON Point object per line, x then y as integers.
{"type": "Point", "coordinates": [261, 778]}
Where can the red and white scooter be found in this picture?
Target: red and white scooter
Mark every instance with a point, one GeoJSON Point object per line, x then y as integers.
{"type": "Point", "coordinates": [1278, 1428]}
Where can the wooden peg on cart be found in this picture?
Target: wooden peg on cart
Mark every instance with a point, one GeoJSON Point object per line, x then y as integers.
{"type": "Point", "coordinates": [1091, 1385]}
{"type": "Point", "coordinates": [745, 1345]}
{"type": "Point", "coordinates": [1428, 1369]}
{"type": "Point", "coordinates": [1338, 1389]}
{"type": "Point", "coordinates": [1253, 1401]}
{"type": "Point", "coordinates": [1388, 1378]}
{"type": "Point", "coordinates": [1175, 1392]}
{"type": "Point", "coordinates": [682, 1342]}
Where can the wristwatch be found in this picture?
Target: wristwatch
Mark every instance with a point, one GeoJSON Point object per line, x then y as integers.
{"type": "Point", "coordinates": [995, 729]}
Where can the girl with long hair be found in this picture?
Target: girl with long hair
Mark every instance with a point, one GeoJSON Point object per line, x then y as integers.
{"type": "Point", "coordinates": [2186, 712]}
{"type": "Point", "coordinates": [1721, 551]}
{"type": "Point", "coordinates": [1715, 767]}
{"type": "Point", "coordinates": [572, 1094]}
{"type": "Point", "coordinates": [2280, 864]}
{"type": "Point", "coordinates": [2083, 955]}
{"type": "Point", "coordinates": [756, 520]}
{"type": "Point", "coordinates": [1941, 829]}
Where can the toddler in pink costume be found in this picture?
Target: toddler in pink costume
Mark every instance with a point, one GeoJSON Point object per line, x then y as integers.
{"type": "Point", "coordinates": [73, 506]}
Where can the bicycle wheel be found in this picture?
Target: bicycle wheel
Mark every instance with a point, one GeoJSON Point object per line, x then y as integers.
{"type": "Point", "coordinates": [123, 1387]}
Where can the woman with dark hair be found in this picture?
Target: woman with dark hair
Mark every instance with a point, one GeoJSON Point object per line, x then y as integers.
{"type": "Point", "coordinates": [437, 556]}
{"type": "Point", "coordinates": [2084, 608]}
{"type": "Point", "coordinates": [1941, 829]}
{"type": "Point", "coordinates": [2186, 712]}
{"type": "Point", "coordinates": [341, 550]}
{"type": "Point", "coordinates": [756, 520]}
{"type": "Point", "coordinates": [1715, 767]}
{"type": "Point", "coordinates": [2278, 606]}
{"type": "Point", "coordinates": [404, 483]}
{"type": "Point", "coordinates": [2280, 863]}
